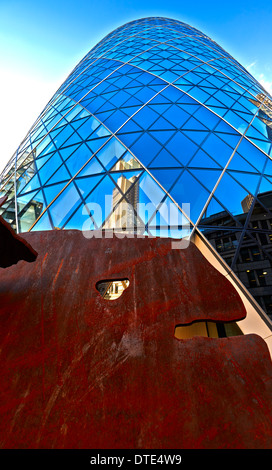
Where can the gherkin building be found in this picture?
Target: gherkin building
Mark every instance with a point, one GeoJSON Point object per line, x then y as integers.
{"type": "Point", "coordinates": [166, 134]}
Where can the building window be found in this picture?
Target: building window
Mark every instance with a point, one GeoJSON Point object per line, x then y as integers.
{"type": "Point", "coordinates": [256, 254]}
{"type": "Point", "coordinates": [257, 277]}
{"type": "Point", "coordinates": [245, 255]}
{"type": "Point", "coordinates": [263, 238]}
{"type": "Point", "coordinates": [261, 274]}
{"type": "Point", "coordinates": [226, 243]}
{"type": "Point", "coordinates": [251, 278]}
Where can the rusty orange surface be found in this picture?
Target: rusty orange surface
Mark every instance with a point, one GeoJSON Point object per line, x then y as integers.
{"type": "Point", "coordinates": [79, 371]}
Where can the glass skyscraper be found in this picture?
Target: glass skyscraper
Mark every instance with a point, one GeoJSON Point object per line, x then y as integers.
{"type": "Point", "coordinates": [156, 116]}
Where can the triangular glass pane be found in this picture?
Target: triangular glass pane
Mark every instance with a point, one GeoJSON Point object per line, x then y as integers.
{"type": "Point", "coordinates": [202, 160]}
{"type": "Point", "coordinates": [188, 190]}
{"type": "Point", "coordinates": [176, 116]}
{"type": "Point", "coordinates": [166, 177]}
{"type": "Point", "coordinates": [234, 203]}
{"type": "Point", "coordinates": [123, 218]}
{"type": "Point", "coordinates": [162, 136]}
{"type": "Point", "coordinates": [145, 117]}
{"type": "Point", "coordinates": [249, 181]}
{"type": "Point", "coordinates": [149, 190]}
{"type": "Point", "coordinates": [240, 164]}
{"type": "Point", "coordinates": [34, 183]}
{"type": "Point", "coordinates": [182, 148]}
{"type": "Point", "coordinates": [110, 153]}
{"type": "Point", "coordinates": [66, 133]}
{"type": "Point", "coordinates": [169, 215]}
{"type": "Point", "coordinates": [127, 162]}
{"type": "Point", "coordinates": [64, 205]}
{"type": "Point", "coordinates": [162, 124]}
{"type": "Point", "coordinates": [95, 144]}
{"type": "Point", "coordinates": [42, 160]}
{"type": "Point", "coordinates": [25, 175]}
{"type": "Point", "coordinates": [52, 191]}
{"type": "Point", "coordinates": [80, 220]}
{"type": "Point", "coordinates": [145, 149]}
{"type": "Point", "coordinates": [131, 127]}
{"type": "Point", "coordinates": [197, 136]}
{"type": "Point", "coordinates": [92, 168]}
{"type": "Point", "coordinates": [66, 152]}
{"type": "Point", "coordinates": [103, 199]}
{"type": "Point", "coordinates": [265, 185]}
{"type": "Point", "coordinates": [43, 223]}
{"type": "Point", "coordinates": [193, 125]}
{"type": "Point", "coordinates": [129, 138]}
{"type": "Point", "coordinates": [252, 154]}
{"type": "Point", "coordinates": [42, 146]}
{"type": "Point", "coordinates": [88, 128]}
{"type": "Point", "coordinates": [22, 201]}
{"type": "Point", "coordinates": [86, 185]}
{"type": "Point", "coordinates": [50, 167]}
{"type": "Point", "coordinates": [78, 159]}
{"type": "Point", "coordinates": [116, 120]}
{"type": "Point", "coordinates": [160, 108]}
{"type": "Point", "coordinates": [265, 146]}
{"type": "Point", "coordinates": [125, 179]}
{"type": "Point", "coordinates": [217, 149]}
{"type": "Point", "coordinates": [230, 139]}
{"type": "Point", "coordinates": [164, 160]}
{"type": "Point", "coordinates": [32, 212]}
{"type": "Point", "coordinates": [207, 177]}
{"type": "Point", "coordinates": [60, 175]}
{"type": "Point", "coordinates": [216, 214]}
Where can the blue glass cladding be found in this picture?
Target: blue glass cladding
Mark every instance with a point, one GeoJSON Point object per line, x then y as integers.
{"type": "Point", "coordinates": [155, 112]}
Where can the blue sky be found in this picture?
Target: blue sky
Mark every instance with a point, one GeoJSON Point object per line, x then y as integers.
{"type": "Point", "coordinates": [42, 41]}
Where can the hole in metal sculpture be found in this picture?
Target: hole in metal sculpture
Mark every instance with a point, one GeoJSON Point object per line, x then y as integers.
{"type": "Point", "coordinates": [112, 289]}
{"type": "Point", "coordinates": [207, 329]}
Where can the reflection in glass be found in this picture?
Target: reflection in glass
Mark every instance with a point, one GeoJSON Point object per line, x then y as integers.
{"type": "Point", "coordinates": [151, 119]}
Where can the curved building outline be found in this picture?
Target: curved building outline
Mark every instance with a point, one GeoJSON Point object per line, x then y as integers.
{"type": "Point", "coordinates": [156, 114]}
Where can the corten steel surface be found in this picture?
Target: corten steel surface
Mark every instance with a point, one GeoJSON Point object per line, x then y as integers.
{"type": "Point", "coordinates": [13, 247]}
{"type": "Point", "coordinates": [79, 371]}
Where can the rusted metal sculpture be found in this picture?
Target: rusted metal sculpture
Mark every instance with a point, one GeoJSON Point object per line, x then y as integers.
{"type": "Point", "coordinates": [80, 371]}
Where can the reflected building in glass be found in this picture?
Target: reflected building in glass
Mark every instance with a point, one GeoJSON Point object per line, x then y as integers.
{"type": "Point", "coordinates": [155, 114]}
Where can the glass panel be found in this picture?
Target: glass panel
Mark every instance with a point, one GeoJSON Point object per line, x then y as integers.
{"type": "Point", "coordinates": [188, 191]}
{"type": "Point", "coordinates": [110, 153]}
{"type": "Point", "coordinates": [49, 168]}
{"type": "Point", "coordinates": [31, 212]}
{"type": "Point", "coordinates": [164, 160]}
{"type": "Point", "coordinates": [102, 200]}
{"type": "Point", "coordinates": [234, 203]}
{"type": "Point", "coordinates": [145, 148]}
{"type": "Point", "coordinates": [78, 158]}
{"type": "Point", "coordinates": [43, 223]}
{"type": "Point", "coordinates": [61, 174]}
{"type": "Point", "coordinates": [127, 162]}
{"type": "Point", "coordinates": [34, 183]}
{"type": "Point", "coordinates": [182, 148]}
{"type": "Point", "coordinates": [64, 205]}
{"type": "Point", "coordinates": [166, 177]}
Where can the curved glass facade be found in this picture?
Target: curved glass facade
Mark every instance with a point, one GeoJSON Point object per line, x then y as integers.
{"type": "Point", "coordinates": [155, 116]}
